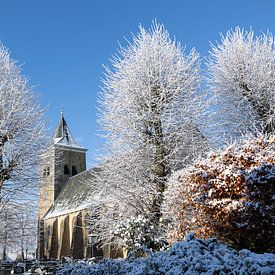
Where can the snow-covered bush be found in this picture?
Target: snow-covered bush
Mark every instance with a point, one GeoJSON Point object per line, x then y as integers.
{"type": "Point", "coordinates": [137, 232]}
{"type": "Point", "coordinates": [193, 256]}
{"type": "Point", "coordinates": [229, 195]}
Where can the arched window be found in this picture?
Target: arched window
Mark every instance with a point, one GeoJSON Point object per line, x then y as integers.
{"type": "Point", "coordinates": [66, 170]}
{"type": "Point", "coordinates": [48, 171]}
{"type": "Point", "coordinates": [74, 171]}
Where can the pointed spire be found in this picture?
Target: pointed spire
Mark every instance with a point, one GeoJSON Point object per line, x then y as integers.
{"type": "Point", "coordinates": [62, 134]}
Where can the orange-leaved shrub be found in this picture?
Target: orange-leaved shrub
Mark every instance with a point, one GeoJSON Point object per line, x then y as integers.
{"type": "Point", "coordinates": [228, 195]}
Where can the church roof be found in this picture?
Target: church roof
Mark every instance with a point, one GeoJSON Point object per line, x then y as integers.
{"type": "Point", "coordinates": [62, 135]}
{"type": "Point", "coordinates": [80, 192]}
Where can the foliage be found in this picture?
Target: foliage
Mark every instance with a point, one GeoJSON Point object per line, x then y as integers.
{"type": "Point", "coordinates": [229, 195]}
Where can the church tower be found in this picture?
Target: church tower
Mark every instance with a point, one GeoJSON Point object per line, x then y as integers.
{"type": "Point", "coordinates": [63, 159]}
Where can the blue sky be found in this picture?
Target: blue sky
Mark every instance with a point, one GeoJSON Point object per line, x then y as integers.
{"type": "Point", "coordinates": [63, 44]}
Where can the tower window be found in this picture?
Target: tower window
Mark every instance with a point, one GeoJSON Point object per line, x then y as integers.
{"type": "Point", "coordinates": [66, 170]}
{"type": "Point", "coordinates": [46, 171]}
{"type": "Point", "coordinates": [74, 171]}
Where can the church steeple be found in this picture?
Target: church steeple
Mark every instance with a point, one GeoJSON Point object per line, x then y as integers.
{"type": "Point", "coordinates": [62, 135]}
{"type": "Point", "coordinates": [63, 159]}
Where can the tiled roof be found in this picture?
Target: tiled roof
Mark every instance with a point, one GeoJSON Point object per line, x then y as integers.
{"type": "Point", "coordinates": [80, 192]}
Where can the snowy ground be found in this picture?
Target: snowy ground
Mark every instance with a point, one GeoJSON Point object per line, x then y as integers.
{"type": "Point", "coordinates": [192, 256]}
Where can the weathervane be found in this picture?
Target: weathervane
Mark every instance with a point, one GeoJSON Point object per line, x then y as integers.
{"type": "Point", "coordinates": [62, 109]}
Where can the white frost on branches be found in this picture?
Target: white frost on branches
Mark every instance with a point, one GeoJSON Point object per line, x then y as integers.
{"type": "Point", "coordinates": [21, 131]}
{"type": "Point", "coordinates": [241, 72]}
{"type": "Point", "coordinates": [151, 112]}
{"type": "Point", "coordinates": [18, 229]}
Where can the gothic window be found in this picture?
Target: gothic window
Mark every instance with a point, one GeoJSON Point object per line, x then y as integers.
{"type": "Point", "coordinates": [74, 171]}
{"type": "Point", "coordinates": [66, 170]}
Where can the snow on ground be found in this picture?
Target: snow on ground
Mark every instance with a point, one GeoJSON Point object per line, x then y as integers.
{"type": "Point", "coordinates": [193, 256]}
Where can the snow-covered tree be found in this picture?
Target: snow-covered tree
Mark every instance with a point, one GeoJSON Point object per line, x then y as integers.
{"type": "Point", "coordinates": [21, 133]}
{"type": "Point", "coordinates": [26, 234]}
{"type": "Point", "coordinates": [151, 112]}
{"type": "Point", "coordinates": [18, 229]}
{"type": "Point", "coordinates": [241, 72]}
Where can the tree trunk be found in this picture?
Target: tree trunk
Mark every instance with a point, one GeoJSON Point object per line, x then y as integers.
{"type": "Point", "coordinates": [160, 169]}
{"type": "Point", "coordinates": [3, 139]}
{"type": "Point", "coordinates": [4, 252]}
{"type": "Point", "coordinates": [1, 167]}
{"type": "Point", "coordinates": [261, 109]}
{"type": "Point", "coordinates": [22, 253]}
{"type": "Point", "coordinates": [270, 125]}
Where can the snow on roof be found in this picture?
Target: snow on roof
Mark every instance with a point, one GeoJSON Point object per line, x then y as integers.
{"type": "Point", "coordinates": [62, 135]}
{"type": "Point", "coordinates": [80, 192]}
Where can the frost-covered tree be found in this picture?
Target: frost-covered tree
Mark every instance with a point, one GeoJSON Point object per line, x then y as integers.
{"type": "Point", "coordinates": [151, 114]}
{"type": "Point", "coordinates": [18, 229]}
{"type": "Point", "coordinates": [242, 74]}
{"type": "Point", "coordinates": [21, 133]}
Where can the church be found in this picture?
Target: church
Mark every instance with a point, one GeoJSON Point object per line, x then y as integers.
{"type": "Point", "coordinates": [65, 194]}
